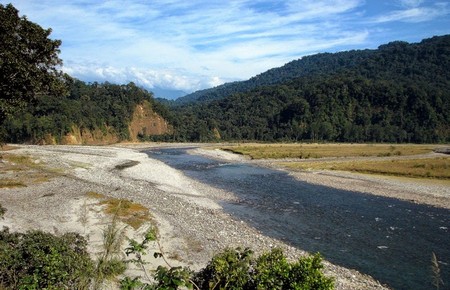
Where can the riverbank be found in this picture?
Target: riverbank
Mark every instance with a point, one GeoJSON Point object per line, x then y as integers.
{"type": "Point", "coordinates": [191, 222]}
{"type": "Point", "coordinates": [432, 192]}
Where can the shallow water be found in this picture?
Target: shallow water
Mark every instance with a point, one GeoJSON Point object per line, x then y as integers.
{"type": "Point", "coordinates": [389, 239]}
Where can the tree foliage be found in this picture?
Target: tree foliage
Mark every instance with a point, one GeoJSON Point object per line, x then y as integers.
{"type": "Point", "coordinates": [397, 93]}
{"type": "Point", "coordinates": [38, 260]}
{"type": "Point", "coordinates": [28, 62]}
{"type": "Point", "coordinates": [96, 106]}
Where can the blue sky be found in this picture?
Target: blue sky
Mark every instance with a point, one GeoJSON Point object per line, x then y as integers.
{"type": "Point", "coordinates": [194, 44]}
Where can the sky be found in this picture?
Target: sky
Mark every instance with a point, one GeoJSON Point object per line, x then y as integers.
{"type": "Point", "coordinates": [189, 45]}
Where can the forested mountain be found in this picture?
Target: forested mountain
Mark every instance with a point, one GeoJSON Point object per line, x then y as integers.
{"type": "Point", "coordinates": [102, 112]}
{"type": "Point", "coordinates": [399, 92]}
{"type": "Point", "coordinates": [307, 66]}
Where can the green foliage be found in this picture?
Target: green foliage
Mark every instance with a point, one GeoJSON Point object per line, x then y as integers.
{"type": "Point", "coordinates": [166, 278]}
{"type": "Point", "coordinates": [227, 270]}
{"type": "Point", "coordinates": [28, 64]}
{"type": "Point", "coordinates": [238, 269]}
{"type": "Point", "coordinates": [172, 278]}
{"type": "Point", "coordinates": [105, 107]}
{"type": "Point", "coordinates": [399, 92]}
{"type": "Point", "coordinates": [128, 283]}
{"type": "Point", "coordinates": [38, 260]}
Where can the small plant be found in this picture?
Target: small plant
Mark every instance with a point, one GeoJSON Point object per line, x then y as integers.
{"type": "Point", "coordinates": [436, 271]}
{"type": "Point", "coordinates": [109, 264]}
{"type": "Point", "coordinates": [84, 215]}
{"type": "Point", "coordinates": [166, 278]}
{"type": "Point", "coordinates": [2, 211]}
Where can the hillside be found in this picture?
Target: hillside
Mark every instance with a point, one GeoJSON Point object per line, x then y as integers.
{"type": "Point", "coordinates": [307, 66]}
{"type": "Point", "coordinates": [90, 114]}
{"type": "Point", "coordinates": [399, 92]}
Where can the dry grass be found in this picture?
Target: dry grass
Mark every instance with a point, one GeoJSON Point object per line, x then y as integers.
{"type": "Point", "coordinates": [22, 170]}
{"type": "Point", "coordinates": [96, 195]}
{"type": "Point", "coordinates": [20, 162]}
{"type": "Point", "coordinates": [306, 151]}
{"type": "Point", "coordinates": [133, 214]}
{"type": "Point", "coordinates": [9, 183]}
{"type": "Point", "coordinates": [438, 168]}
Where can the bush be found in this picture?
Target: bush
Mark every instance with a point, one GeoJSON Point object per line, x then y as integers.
{"type": "Point", "coordinates": [39, 260]}
{"type": "Point", "coordinates": [227, 270]}
{"type": "Point", "coordinates": [238, 269]}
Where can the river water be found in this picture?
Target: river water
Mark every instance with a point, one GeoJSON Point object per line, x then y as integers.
{"type": "Point", "coordinates": [389, 239]}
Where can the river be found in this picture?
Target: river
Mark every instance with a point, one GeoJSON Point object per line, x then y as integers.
{"type": "Point", "coordinates": [389, 239]}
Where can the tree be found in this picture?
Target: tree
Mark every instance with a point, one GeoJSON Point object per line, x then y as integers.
{"type": "Point", "coordinates": [28, 62]}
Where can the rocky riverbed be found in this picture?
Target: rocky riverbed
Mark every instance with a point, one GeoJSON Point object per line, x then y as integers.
{"type": "Point", "coordinates": [191, 222]}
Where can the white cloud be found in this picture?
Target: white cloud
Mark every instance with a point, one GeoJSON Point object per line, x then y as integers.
{"type": "Point", "coordinates": [415, 12]}
{"type": "Point", "coordinates": [194, 44]}
{"type": "Point", "coordinates": [143, 77]}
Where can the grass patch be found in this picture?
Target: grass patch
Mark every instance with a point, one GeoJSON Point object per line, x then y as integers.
{"type": "Point", "coordinates": [22, 170]}
{"type": "Point", "coordinates": [20, 162]}
{"type": "Point", "coordinates": [307, 151]}
{"type": "Point", "coordinates": [10, 183]}
{"type": "Point", "coordinates": [80, 164]}
{"type": "Point", "coordinates": [438, 168]}
{"type": "Point", "coordinates": [133, 214]}
{"type": "Point", "coordinates": [96, 195]}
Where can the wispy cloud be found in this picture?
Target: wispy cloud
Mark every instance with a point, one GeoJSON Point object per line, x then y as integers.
{"type": "Point", "coordinates": [413, 12]}
{"type": "Point", "coordinates": [191, 45]}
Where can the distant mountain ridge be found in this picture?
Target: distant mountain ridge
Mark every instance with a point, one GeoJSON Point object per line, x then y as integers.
{"type": "Point", "coordinates": [399, 92]}
{"type": "Point", "coordinates": [306, 66]}
{"type": "Point", "coordinates": [322, 63]}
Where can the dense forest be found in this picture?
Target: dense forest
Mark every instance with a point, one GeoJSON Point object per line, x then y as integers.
{"type": "Point", "coordinates": [399, 92]}
{"type": "Point", "coordinates": [96, 106]}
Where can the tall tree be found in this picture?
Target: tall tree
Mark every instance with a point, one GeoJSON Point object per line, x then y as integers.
{"type": "Point", "coordinates": [29, 62]}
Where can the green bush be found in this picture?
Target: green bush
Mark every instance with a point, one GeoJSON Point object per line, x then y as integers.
{"type": "Point", "coordinates": [227, 270]}
{"type": "Point", "coordinates": [39, 260]}
{"type": "Point", "coordinates": [238, 269]}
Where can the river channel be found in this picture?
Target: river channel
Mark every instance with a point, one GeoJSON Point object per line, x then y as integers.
{"type": "Point", "coordinates": [389, 239]}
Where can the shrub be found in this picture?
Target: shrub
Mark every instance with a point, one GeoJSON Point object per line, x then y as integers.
{"type": "Point", "coordinates": [227, 270]}
{"type": "Point", "coordinates": [238, 269]}
{"type": "Point", "coordinates": [39, 260]}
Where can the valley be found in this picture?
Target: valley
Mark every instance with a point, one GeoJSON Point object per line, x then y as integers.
{"type": "Point", "coordinates": [197, 218]}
